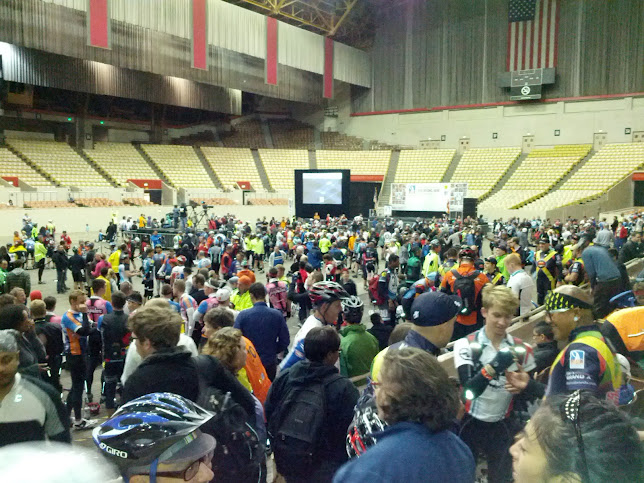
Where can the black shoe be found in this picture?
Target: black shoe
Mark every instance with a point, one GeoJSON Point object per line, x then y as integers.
{"type": "Point", "coordinates": [90, 397]}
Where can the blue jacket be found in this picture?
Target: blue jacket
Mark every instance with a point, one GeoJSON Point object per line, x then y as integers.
{"type": "Point", "coordinates": [266, 329]}
{"type": "Point", "coordinates": [409, 452]}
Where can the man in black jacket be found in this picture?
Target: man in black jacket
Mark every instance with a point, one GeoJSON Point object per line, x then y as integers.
{"type": "Point", "coordinates": [115, 336]}
{"type": "Point", "coordinates": [632, 248]}
{"type": "Point", "coordinates": [59, 257]}
{"type": "Point", "coordinates": [322, 350]}
{"type": "Point", "coordinates": [546, 350]}
{"type": "Point", "coordinates": [165, 367]}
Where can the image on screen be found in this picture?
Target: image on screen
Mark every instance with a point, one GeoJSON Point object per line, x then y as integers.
{"type": "Point", "coordinates": [322, 188]}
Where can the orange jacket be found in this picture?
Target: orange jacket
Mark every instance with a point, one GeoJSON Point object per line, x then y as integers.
{"type": "Point", "coordinates": [466, 267]}
{"type": "Point", "coordinates": [256, 373]}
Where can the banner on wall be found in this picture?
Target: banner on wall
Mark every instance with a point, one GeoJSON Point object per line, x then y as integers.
{"type": "Point", "coordinates": [458, 194]}
{"type": "Point", "coordinates": [438, 197]}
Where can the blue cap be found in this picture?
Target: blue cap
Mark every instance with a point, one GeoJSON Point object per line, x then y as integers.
{"type": "Point", "coordinates": [434, 308]}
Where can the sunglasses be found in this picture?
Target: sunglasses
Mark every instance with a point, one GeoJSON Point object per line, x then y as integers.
{"type": "Point", "coordinates": [191, 471]}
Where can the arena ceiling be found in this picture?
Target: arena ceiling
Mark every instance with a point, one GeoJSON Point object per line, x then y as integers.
{"type": "Point", "coordinates": [347, 21]}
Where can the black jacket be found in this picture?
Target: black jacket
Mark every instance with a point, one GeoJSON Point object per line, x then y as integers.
{"type": "Point", "coordinates": [171, 370]}
{"type": "Point", "coordinates": [545, 354]}
{"type": "Point", "coordinates": [60, 260]}
{"type": "Point", "coordinates": [115, 335]}
{"type": "Point", "coordinates": [341, 398]}
{"type": "Point", "coordinates": [629, 251]}
{"type": "Point", "coordinates": [76, 263]}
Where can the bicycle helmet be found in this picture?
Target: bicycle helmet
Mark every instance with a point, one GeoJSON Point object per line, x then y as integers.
{"type": "Point", "coordinates": [326, 292]}
{"type": "Point", "coordinates": [365, 423]}
{"type": "Point", "coordinates": [352, 308]}
{"type": "Point", "coordinates": [150, 429]}
{"type": "Point", "coordinates": [467, 253]}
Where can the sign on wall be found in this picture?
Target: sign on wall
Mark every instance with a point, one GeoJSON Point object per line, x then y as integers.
{"type": "Point", "coordinates": [440, 197]}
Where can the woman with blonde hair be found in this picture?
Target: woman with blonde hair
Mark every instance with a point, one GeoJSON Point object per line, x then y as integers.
{"type": "Point", "coordinates": [228, 346]}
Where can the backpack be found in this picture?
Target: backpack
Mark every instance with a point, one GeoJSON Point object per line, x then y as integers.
{"type": "Point", "coordinates": [298, 425]}
{"type": "Point", "coordinates": [373, 290]}
{"type": "Point", "coordinates": [239, 449]}
{"type": "Point", "coordinates": [465, 289]}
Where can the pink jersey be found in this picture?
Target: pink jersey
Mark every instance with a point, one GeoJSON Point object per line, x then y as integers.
{"type": "Point", "coordinates": [96, 307]}
{"type": "Point", "coordinates": [277, 295]}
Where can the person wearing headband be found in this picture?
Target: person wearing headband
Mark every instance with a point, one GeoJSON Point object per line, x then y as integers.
{"type": "Point", "coordinates": [577, 438]}
{"type": "Point", "coordinates": [586, 363]}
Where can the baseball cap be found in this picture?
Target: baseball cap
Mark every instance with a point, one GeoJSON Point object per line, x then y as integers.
{"type": "Point", "coordinates": [434, 308]}
{"type": "Point", "coordinates": [181, 259]}
{"type": "Point", "coordinates": [245, 280]}
{"type": "Point", "coordinates": [491, 260]}
{"type": "Point", "coordinates": [136, 298]}
{"type": "Point", "coordinates": [435, 243]}
{"type": "Point", "coordinates": [502, 246]}
{"type": "Point", "coordinates": [222, 294]}
{"type": "Point", "coordinates": [35, 295]}
{"type": "Point", "coordinates": [233, 279]}
{"type": "Point", "coordinates": [544, 239]}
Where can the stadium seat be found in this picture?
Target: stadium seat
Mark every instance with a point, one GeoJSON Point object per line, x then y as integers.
{"type": "Point", "coordinates": [121, 161]}
{"type": "Point", "coordinates": [180, 165]}
{"type": "Point", "coordinates": [359, 162]}
{"type": "Point", "coordinates": [245, 135]}
{"type": "Point", "coordinates": [279, 165]}
{"type": "Point", "coordinates": [12, 165]}
{"type": "Point", "coordinates": [64, 165]}
{"type": "Point", "coordinates": [601, 172]}
{"type": "Point", "coordinates": [423, 165]}
{"type": "Point", "coordinates": [232, 165]}
{"type": "Point", "coordinates": [541, 170]}
{"type": "Point", "coordinates": [291, 134]}
{"type": "Point", "coordinates": [482, 168]}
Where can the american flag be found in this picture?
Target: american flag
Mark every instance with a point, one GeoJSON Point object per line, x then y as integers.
{"type": "Point", "coordinates": [532, 34]}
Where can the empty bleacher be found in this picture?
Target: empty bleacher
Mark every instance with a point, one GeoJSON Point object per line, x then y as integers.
{"type": "Point", "coordinates": [215, 201]}
{"type": "Point", "coordinates": [336, 140]}
{"type": "Point", "coordinates": [247, 134]}
{"type": "Point", "coordinates": [279, 166]}
{"type": "Point", "coordinates": [232, 165]}
{"type": "Point", "coordinates": [290, 134]}
{"type": "Point", "coordinates": [64, 165]}
{"type": "Point", "coordinates": [538, 173]}
{"type": "Point", "coordinates": [600, 173]}
{"type": "Point", "coordinates": [423, 165]}
{"type": "Point", "coordinates": [138, 202]}
{"type": "Point", "coordinates": [359, 162]}
{"type": "Point", "coordinates": [12, 165]}
{"type": "Point", "coordinates": [180, 165]}
{"type": "Point", "coordinates": [268, 201]}
{"type": "Point", "coordinates": [49, 204]}
{"type": "Point", "coordinates": [96, 202]}
{"type": "Point", "coordinates": [121, 161]}
{"type": "Point", "coordinates": [482, 168]}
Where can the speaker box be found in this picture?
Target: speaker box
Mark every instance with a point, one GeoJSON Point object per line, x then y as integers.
{"type": "Point", "coordinates": [469, 207]}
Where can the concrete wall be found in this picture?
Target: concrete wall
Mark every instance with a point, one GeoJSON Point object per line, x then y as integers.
{"type": "Point", "coordinates": [127, 136]}
{"type": "Point", "coordinates": [575, 121]}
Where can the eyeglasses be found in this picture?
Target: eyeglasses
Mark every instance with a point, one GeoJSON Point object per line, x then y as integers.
{"type": "Point", "coordinates": [570, 412]}
{"type": "Point", "coordinates": [191, 471]}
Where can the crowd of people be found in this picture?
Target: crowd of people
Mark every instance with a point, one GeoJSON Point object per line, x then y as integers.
{"type": "Point", "coordinates": [201, 379]}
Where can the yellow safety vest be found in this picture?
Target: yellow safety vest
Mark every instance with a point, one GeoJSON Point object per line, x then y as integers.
{"type": "Point", "coordinates": [567, 255]}
{"type": "Point", "coordinates": [496, 278]}
{"type": "Point", "coordinates": [613, 369]}
{"type": "Point", "coordinates": [541, 266]}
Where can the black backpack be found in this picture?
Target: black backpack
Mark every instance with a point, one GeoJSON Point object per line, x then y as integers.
{"type": "Point", "coordinates": [296, 429]}
{"type": "Point", "coordinates": [465, 289]}
{"type": "Point", "coordinates": [239, 451]}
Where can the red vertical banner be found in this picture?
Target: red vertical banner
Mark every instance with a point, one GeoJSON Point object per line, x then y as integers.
{"type": "Point", "coordinates": [98, 21]}
{"type": "Point", "coordinates": [199, 35]}
{"type": "Point", "coordinates": [271, 51]}
{"type": "Point", "coordinates": [328, 68]}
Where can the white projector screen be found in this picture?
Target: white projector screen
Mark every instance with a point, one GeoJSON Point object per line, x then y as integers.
{"type": "Point", "coordinates": [322, 188]}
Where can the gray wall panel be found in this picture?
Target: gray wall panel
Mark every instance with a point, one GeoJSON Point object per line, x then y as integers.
{"type": "Point", "coordinates": [458, 47]}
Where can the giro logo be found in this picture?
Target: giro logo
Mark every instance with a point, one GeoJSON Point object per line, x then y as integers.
{"type": "Point", "coordinates": [113, 451]}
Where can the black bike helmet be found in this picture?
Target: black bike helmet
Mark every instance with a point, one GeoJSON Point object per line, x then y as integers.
{"type": "Point", "coordinates": [326, 292]}
{"type": "Point", "coordinates": [143, 430]}
{"type": "Point", "coordinates": [352, 308]}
